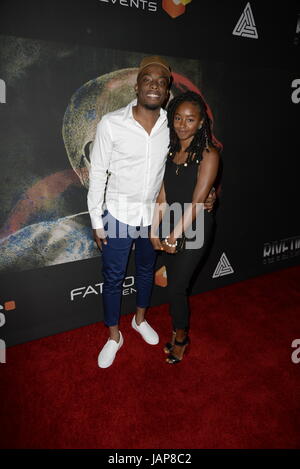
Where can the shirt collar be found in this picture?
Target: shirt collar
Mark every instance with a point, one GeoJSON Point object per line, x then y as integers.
{"type": "Point", "coordinates": [129, 115]}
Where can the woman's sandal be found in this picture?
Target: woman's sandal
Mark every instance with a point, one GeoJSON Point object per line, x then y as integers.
{"type": "Point", "coordinates": [172, 360]}
{"type": "Point", "coordinates": [169, 345]}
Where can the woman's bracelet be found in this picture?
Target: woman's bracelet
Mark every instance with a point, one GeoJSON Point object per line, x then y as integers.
{"type": "Point", "coordinates": [170, 244]}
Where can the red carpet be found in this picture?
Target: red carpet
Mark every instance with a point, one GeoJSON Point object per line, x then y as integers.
{"type": "Point", "coordinates": [236, 388]}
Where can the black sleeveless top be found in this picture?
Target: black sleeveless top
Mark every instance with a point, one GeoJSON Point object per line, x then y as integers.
{"type": "Point", "coordinates": [179, 183]}
{"type": "Point", "coordinates": [180, 187]}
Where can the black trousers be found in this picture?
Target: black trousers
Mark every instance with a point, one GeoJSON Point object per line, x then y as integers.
{"type": "Point", "coordinates": [180, 269]}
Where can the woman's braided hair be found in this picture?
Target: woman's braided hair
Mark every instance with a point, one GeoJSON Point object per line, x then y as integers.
{"type": "Point", "coordinates": [203, 137]}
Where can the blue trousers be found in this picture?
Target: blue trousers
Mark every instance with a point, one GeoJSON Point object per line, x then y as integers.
{"type": "Point", "coordinates": [120, 238]}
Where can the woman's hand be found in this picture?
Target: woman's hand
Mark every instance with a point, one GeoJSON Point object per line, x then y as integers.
{"type": "Point", "coordinates": [210, 201]}
{"type": "Point", "coordinates": [169, 249]}
{"type": "Point", "coordinates": [156, 243]}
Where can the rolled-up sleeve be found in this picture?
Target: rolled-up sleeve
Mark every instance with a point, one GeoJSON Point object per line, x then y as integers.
{"type": "Point", "coordinates": [100, 161]}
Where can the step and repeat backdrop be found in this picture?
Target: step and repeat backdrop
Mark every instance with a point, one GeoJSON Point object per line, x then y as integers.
{"type": "Point", "coordinates": [65, 64]}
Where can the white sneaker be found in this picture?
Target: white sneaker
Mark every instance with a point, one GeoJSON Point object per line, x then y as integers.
{"type": "Point", "coordinates": [146, 331]}
{"type": "Point", "coordinates": [109, 351]}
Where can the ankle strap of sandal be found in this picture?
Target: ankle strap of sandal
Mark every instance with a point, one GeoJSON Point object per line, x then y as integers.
{"type": "Point", "coordinates": [184, 342]}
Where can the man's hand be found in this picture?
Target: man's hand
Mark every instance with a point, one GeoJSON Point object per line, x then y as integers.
{"type": "Point", "coordinates": [210, 201]}
{"type": "Point", "coordinates": [99, 237]}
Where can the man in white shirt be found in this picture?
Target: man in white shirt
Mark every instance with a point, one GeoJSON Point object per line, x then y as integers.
{"type": "Point", "coordinates": [127, 168]}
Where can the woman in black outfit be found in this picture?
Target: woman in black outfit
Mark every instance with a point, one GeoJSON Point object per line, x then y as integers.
{"type": "Point", "coordinates": [191, 170]}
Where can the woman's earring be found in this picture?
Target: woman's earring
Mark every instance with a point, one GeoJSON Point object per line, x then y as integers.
{"type": "Point", "coordinates": [206, 142]}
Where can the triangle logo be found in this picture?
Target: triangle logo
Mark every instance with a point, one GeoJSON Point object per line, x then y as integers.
{"type": "Point", "coordinates": [245, 26]}
{"type": "Point", "coordinates": [223, 267]}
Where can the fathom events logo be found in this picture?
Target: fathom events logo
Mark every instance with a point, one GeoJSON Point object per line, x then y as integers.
{"type": "Point", "coordinates": [97, 289]}
{"type": "Point", "coordinates": [245, 26]}
{"type": "Point", "coordinates": [223, 267]}
{"type": "Point", "coordinates": [175, 8]}
{"type": "Point", "coordinates": [140, 4]}
{"type": "Point", "coordinates": [281, 250]}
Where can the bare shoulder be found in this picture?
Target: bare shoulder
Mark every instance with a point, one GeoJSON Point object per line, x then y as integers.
{"type": "Point", "coordinates": [211, 155]}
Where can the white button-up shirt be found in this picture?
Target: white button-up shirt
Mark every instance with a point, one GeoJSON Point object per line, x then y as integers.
{"type": "Point", "coordinates": [131, 162]}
